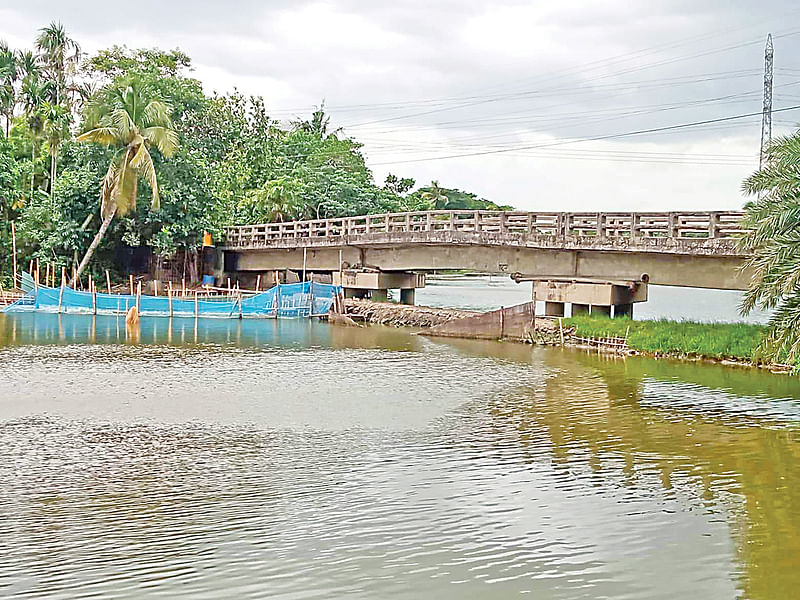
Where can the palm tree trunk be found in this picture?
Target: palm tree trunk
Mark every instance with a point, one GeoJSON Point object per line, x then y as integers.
{"type": "Point", "coordinates": [95, 242]}
{"type": "Point", "coordinates": [33, 162]}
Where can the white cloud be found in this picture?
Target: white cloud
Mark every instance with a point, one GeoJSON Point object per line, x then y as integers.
{"type": "Point", "coordinates": [419, 79]}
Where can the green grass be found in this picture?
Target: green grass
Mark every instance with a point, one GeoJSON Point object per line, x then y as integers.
{"type": "Point", "coordinates": [717, 340]}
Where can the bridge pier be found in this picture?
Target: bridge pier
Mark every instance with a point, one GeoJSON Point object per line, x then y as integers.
{"type": "Point", "coordinates": [376, 284]}
{"type": "Point", "coordinates": [587, 296]}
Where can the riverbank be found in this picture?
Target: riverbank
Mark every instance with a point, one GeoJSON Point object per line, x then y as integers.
{"type": "Point", "coordinates": [725, 343]}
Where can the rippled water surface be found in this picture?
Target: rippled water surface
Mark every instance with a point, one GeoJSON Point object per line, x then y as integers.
{"type": "Point", "coordinates": [227, 459]}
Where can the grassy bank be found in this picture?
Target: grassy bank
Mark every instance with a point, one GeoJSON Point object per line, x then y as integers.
{"type": "Point", "coordinates": [716, 340]}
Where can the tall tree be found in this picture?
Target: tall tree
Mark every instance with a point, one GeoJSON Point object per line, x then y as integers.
{"type": "Point", "coordinates": [128, 117]}
{"type": "Point", "coordinates": [8, 76]}
{"type": "Point", "coordinates": [60, 56]}
{"type": "Point", "coordinates": [773, 238]}
{"type": "Point", "coordinates": [35, 94]}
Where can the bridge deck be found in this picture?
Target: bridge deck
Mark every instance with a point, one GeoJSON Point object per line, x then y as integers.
{"type": "Point", "coordinates": [712, 233]}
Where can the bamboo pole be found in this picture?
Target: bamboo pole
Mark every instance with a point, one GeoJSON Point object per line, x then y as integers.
{"type": "Point", "coordinates": [305, 250]}
{"type": "Point", "coordinates": [14, 250]}
{"type": "Point", "coordinates": [130, 279]}
{"type": "Point", "coordinates": [195, 304]}
{"type": "Point", "coordinates": [183, 287]}
{"type": "Point", "coordinates": [138, 297]}
{"type": "Point", "coordinates": [258, 282]}
{"type": "Point", "coordinates": [61, 290]}
{"type": "Point", "coordinates": [75, 282]}
{"type": "Point", "coordinates": [93, 288]}
{"type": "Point", "coordinates": [169, 296]}
{"type": "Point", "coordinates": [108, 281]}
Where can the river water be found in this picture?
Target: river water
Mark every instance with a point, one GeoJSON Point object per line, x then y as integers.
{"type": "Point", "coordinates": [488, 292]}
{"type": "Point", "coordinates": [261, 459]}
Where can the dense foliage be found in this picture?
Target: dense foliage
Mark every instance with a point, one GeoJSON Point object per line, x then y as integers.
{"type": "Point", "coordinates": [234, 164]}
{"type": "Point", "coordinates": [773, 220]}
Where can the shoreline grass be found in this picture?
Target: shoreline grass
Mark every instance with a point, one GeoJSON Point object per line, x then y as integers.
{"type": "Point", "coordinates": [715, 340]}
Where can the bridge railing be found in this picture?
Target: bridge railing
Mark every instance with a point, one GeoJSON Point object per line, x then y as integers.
{"type": "Point", "coordinates": [677, 225]}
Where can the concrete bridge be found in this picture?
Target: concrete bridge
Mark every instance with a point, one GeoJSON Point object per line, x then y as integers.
{"type": "Point", "coordinates": [692, 249]}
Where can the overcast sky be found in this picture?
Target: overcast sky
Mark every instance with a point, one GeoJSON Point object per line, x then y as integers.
{"type": "Point", "coordinates": [525, 103]}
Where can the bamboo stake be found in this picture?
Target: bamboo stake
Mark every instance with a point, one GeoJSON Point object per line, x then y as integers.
{"type": "Point", "coordinates": [130, 278]}
{"type": "Point", "coordinates": [155, 286]}
{"type": "Point", "coordinates": [229, 285]}
{"type": "Point", "coordinates": [304, 263]}
{"type": "Point", "coordinates": [61, 291]}
{"type": "Point", "coordinates": [75, 282]}
{"type": "Point", "coordinates": [169, 296]}
{"type": "Point", "coordinates": [108, 281]}
{"type": "Point", "coordinates": [258, 282]}
{"type": "Point", "coordinates": [14, 250]}
{"type": "Point", "coordinates": [195, 304]}
{"type": "Point", "coordinates": [183, 287]}
{"type": "Point", "coordinates": [138, 296]}
{"type": "Point", "coordinates": [93, 288]}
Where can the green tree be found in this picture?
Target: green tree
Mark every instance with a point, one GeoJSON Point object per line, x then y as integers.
{"type": "Point", "coordinates": [773, 238]}
{"type": "Point", "coordinates": [435, 195]}
{"type": "Point", "coordinates": [59, 56]}
{"type": "Point", "coordinates": [8, 77]}
{"type": "Point", "coordinates": [130, 119]}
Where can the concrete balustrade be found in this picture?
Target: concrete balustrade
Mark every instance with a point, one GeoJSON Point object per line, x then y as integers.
{"type": "Point", "coordinates": [632, 226]}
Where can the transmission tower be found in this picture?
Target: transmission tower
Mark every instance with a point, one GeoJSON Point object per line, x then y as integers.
{"type": "Point", "coordinates": [766, 119]}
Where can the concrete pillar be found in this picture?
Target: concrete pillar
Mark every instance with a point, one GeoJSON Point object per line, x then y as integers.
{"type": "Point", "coordinates": [623, 310]}
{"type": "Point", "coordinates": [349, 293]}
{"type": "Point", "coordinates": [408, 296]}
{"type": "Point", "coordinates": [601, 310]}
{"type": "Point", "coordinates": [380, 295]}
{"type": "Point", "coordinates": [554, 309]}
{"type": "Point", "coordinates": [580, 309]}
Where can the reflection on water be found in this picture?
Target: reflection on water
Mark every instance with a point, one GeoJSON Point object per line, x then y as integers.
{"type": "Point", "coordinates": [289, 459]}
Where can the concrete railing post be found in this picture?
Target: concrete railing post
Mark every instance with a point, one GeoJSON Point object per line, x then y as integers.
{"type": "Point", "coordinates": [503, 227]}
{"type": "Point", "coordinates": [600, 221]}
{"type": "Point", "coordinates": [713, 225]}
{"type": "Point", "coordinates": [635, 220]}
{"type": "Point", "coordinates": [428, 221]}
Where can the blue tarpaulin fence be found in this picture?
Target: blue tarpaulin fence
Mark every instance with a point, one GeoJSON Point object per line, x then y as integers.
{"type": "Point", "coordinates": [303, 299]}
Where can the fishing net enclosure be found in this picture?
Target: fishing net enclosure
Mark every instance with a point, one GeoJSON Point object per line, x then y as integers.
{"type": "Point", "coordinates": [303, 299]}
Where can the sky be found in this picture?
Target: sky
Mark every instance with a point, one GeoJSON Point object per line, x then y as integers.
{"type": "Point", "coordinates": [542, 105]}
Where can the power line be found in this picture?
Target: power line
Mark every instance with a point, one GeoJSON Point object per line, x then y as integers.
{"type": "Point", "coordinates": [592, 139]}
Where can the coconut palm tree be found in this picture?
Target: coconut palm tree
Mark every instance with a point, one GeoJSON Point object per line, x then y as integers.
{"type": "Point", "coordinates": [131, 119]}
{"type": "Point", "coordinates": [773, 239]}
{"type": "Point", "coordinates": [435, 195]}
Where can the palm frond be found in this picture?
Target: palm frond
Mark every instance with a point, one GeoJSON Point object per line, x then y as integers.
{"type": "Point", "coordinates": [101, 135]}
{"type": "Point", "coordinates": [166, 140]}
